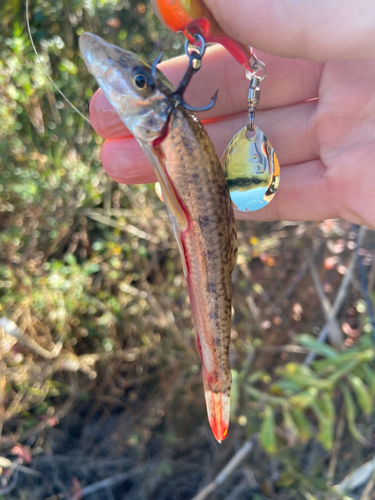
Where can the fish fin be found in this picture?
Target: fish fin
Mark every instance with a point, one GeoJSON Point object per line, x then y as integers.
{"type": "Point", "coordinates": [218, 409]}
{"type": "Point", "coordinates": [216, 392]}
{"type": "Point", "coordinates": [174, 205]}
{"type": "Point", "coordinates": [182, 252]}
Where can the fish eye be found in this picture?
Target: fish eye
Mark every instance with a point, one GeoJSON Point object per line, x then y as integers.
{"type": "Point", "coordinates": [140, 81]}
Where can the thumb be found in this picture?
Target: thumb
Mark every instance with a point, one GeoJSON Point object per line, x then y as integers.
{"type": "Point", "coordinates": [318, 30]}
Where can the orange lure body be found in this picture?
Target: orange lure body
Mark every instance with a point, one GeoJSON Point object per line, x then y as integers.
{"type": "Point", "coordinates": [192, 17]}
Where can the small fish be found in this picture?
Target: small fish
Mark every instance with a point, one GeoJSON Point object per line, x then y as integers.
{"type": "Point", "coordinates": [196, 195]}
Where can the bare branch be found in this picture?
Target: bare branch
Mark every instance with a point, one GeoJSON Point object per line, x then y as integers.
{"type": "Point", "coordinates": [110, 481]}
{"type": "Point", "coordinates": [336, 448]}
{"type": "Point", "coordinates": [10, 328]}
{"type": "Point", "coordinates": [129, 228]}
{"type": "Point", "coordinates": [283, 348]}
{"type": "Point", "coordinates": [12, 484]}
{"type": "Point", "coordinates": [356, 478]}
{"type": "Point", "coordinates": [334, 331]}
{"type": "Point", "coordinates": [8, 464]}
{"type": "Point", "coordinates": [2, 382]}
{"type": "Point", "coordinates": [341, 294]}
{"type": "Point", "coordinates": [227, 471]}
{"type": "Point", "coordinates": [369, 489]}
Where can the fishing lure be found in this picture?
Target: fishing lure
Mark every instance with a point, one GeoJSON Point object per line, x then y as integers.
{"type": "Point", "coordinates": [196, 194]}
{"type": "Point", "coordinates": [249, 161]}
{"type": "Point", "coordinates": [192, 17]}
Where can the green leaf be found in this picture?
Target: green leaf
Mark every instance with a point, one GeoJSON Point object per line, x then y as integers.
{"type": "Point", "coordinates": [344, 358]}
{"type": "Point", "coordinates": [234, 395]}
{"type": "Point", "coordinates": [325, 434]}
{"type": "Point", "coordinates": [91, 269]}
{"type": "Point", "coordinates": [326, 405]}
{"type": "Point", "coordinates": [340, 372]}
{"type": "Point", "coordinates": [69, 66]}
{"type": "Point", "coordinates": [303, 376]}
{"type": "Point", "coordinates": [254, 377]}
{"type": "Point", "coordinates": [369, 376]}
{"type": "Point", "coordinates": [70, 259]}
{"type": "Point", "coordinates": [351, 414]}
{"type": "Point", "coordinates": [267, 434]}
{"type": "Point", "coordinates": [289, 423]}
{"type": "Point", "coordinates": [302, 423]}
{"type": "Point", "coordinates": [362, 393]}
{"type": "Point", "coordinates": [304, 399]}
{"type": "Point", "coordinates": [315, 346]}
{"type": "Point", "coordinates": [263, 396]}
{"type": "Point", "coordinates": [288, 387]}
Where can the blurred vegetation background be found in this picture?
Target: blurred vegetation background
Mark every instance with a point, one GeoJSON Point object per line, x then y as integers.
{"type": "Point", "coordinates": [101, 380]}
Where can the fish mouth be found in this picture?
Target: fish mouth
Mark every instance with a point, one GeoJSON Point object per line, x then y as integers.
{"type": "Point", "coordinates": [99, 56]}
{"type": "Point", "coordinates": [92, 48]}
{"type": "Point", "coordinates": [87, 40]}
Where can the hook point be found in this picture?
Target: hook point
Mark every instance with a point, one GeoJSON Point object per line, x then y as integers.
{"type": "Point", "coordinates": [154, 64]}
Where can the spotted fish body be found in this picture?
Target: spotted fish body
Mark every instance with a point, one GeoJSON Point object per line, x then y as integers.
{"type": "Point", "coordinates": [197, 197]}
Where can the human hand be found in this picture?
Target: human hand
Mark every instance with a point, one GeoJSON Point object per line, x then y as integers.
{"type": "Point", "coordinates": [322, 144]}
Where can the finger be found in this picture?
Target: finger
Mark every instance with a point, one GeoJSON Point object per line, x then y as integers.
{"type": "Point", "coordinates": [104, 118]}
{"type": "Point", "coordinates": [303, 195]}
{"type": "Point", "coordinates": [124, 161]}
{"type": "Point", "coordinates": [307, 193]}
{"type": "Point", "coordinates": [290, 130]}
{"type": "Point", "coordinates": [288, 82]}
{"type": "Point", "coordinates": [322, 30]}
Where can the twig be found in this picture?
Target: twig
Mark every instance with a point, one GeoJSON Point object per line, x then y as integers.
{"type": "Point", "coordinates": [41, 426]}
{"type": "Point", "coordinates": [294, 282]}
{"type": "Point", "coordinates": [2, 382]}
{"type": "Point", "coordinates": [364, 289]}
{"type": "Point", "coordinates": [334, 331]}
{"type": "Point", "coordinates": [10, 328]}
{"type": "Point", "coordinates": [283, 348]}
{"type": "Point", "coordinates": [12, 484]}
{"type": "Point", "coordinates": [369, 488]}
{"type": "Point", "coordinates": [255, 312]}
{"type": "Point", "coordinates": [227, 471]}
{"type": "Point", "coordinates": [108, 199]}
{"type": "Point", "coordinates": [336, 448]}
{"type": "Point", "coordinates": [8, 464]}
{"type": "Point", "coordinates": [356, 478]}
{"type": "Point", "coordinates": [349, 274]}
{"type": "Point", "coordinates": [117, 212]}
{"type": "Point", "coordinates": [371, 278]}
{"type": "Point", "coordinates": [45, 70]}
{"type": "Point", "coordinates": [321, 338]}
{"type": "Point", "coordinates": [341, 294]}
{"type": "Point", "coordinates": [123, 226]}
{"type": "Point", "coordinates": [110, 481]}
{"type": "Point", "coordinates": [238, 491]}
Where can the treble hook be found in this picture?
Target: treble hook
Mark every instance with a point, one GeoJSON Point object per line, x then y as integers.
{"type": "Point", "coordinates": [153, 67]}
{"type": "Point", "coordinates": [195, 64]}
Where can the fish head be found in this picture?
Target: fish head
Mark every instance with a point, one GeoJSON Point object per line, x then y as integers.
{"type": "Point", "coordinates": [128, 83]}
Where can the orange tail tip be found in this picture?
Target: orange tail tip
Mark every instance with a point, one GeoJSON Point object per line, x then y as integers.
{"type": "Point", "coordinates": [218, 413]}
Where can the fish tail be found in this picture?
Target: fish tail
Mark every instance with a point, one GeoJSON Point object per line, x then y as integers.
{"type": "Point", "coordinates": [218, 410]}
